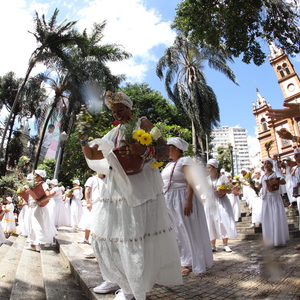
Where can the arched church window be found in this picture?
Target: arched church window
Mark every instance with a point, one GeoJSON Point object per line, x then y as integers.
{"type": "Point", "coordinates": [279, 69]}
{"type": "Point", "coordinates": [286, 68]}
{"type": "Point", "coordinates": [264, 126]}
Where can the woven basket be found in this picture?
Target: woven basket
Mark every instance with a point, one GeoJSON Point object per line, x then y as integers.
{"type": "Point", "coordinates": [272, 187]}
{"type": "Point", "coordinates": [132, 164]}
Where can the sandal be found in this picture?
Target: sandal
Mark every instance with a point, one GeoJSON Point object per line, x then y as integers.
{"type": "Point", "coordinates": [185, 271]}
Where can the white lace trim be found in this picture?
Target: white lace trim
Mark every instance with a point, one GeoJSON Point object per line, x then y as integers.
{"type": "Point", "coordinates": [135, 239]}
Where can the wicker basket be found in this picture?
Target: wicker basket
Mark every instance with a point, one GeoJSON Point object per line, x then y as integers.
{"type": "Point", "coordinates": [272, 187]}
{"type": "Point", "coordinates": [40, 193]}
{"type": "Point", "coordinates": [132, 164]}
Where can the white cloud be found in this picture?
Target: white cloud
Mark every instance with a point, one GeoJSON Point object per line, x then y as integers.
{"type": "Point", "coordinates": [130, 24]}
{"type": "Point", "coordinates": [253, 143]}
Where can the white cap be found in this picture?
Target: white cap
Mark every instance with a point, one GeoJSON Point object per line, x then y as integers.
{"type": "Point", "coordinates": [41, 173]}
{"type": "Point", "coordinates": [76, 181]}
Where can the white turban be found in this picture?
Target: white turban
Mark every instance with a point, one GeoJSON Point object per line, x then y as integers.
{"type": "Point", "coordinates": [115, 98]}
{"type": "Point", "coordinates": [222, 171]}
{"type": "Point", "coordinates": [41, 173]}
{"type": "Point", "coordinates": [243, 169]}
{"type": "Point", "coordinates": [29, 177]}
{"type": "Point", "coordinates": [9, 199]}
{"type": "Point", "coordinates": [270, 160]}
{"type": "Point", "coordinates": [76, 181]}
{"type": "Point", "coordinates": [54, 182]}
{"type": "Point", "coordinates": [213, 162]}
{"type": "Point", "coordinates": [257, 170]}
{"type": "Point", "coordinates": [178, 142]}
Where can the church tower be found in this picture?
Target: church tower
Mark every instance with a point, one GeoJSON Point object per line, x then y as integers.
{"type": "Point", "coordinates": [290, 86]}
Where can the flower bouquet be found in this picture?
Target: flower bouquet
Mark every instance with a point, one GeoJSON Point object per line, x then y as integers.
{"type": "Point", "coordinates": [133, 164]}
{"type": "Point", "coordinates": [69, 193]}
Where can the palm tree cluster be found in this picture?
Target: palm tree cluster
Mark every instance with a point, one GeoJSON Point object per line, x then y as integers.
{"type": "Point", "coordinates": [75, 63]}
{"type": "Point", "coordinates": [181, 68]}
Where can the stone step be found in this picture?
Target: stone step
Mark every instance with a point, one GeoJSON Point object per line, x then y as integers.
{"type": "Point", "coordinates": [85, 270]}
{"type": "Point", "coordinates": [29, 278]}
{"type": "Point", "coordinates": [8, 266]}
{"type": "Point", "coordinates": [4, 248]}
{"type": "Point", "coordinates": [58, 281]}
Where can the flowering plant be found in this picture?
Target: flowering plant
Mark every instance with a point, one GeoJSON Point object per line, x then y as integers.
{"type": "Point", "coordinates": [223, 187]}
{"type": "Point", "coordinates": [237, 182]}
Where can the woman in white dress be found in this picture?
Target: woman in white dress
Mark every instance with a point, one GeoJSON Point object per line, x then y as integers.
{"type": "Point", "coordinates": [257, 200]}
{"type": "Point", "coordinates": [218, 209]}
{"type": "Point", "coordinates": [59, 212]}
{"type": "Point", "coordinates": [186, 211]}
{"type": "Point", "coordinates": [9, 221]}
{"type": "Point", "coordinates": [274, 222]}
{"type": "Point", "coordinates": [22, 227]}
{"type": "Point", "coordinates": [76, 206]}
{"type": "Point", "coordinates": [41, 227]}
{"type": "Point", "coordinates": [133, 241]}
{"type": "Point", "coordinates": [2, 235]}
{"type": "Point", "coordinates": [234, 199]}
{"type": "Point", "coordinates": [67, 203]}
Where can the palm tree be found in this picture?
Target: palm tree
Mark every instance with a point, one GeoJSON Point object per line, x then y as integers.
{"type": "Point", "coordinates": [183, 62]}
{"type": "Point", "coordinates": [54, 40]}
{"type": "Point", "coordinates": [84, 67]}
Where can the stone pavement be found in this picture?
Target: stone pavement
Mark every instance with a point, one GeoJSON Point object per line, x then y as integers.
{"type": "Point", "coordinates": [249, 272]}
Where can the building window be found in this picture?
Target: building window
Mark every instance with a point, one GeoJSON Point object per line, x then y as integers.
{"type": "Point", "coordinates": [286, 68]}
{"type": "Point", "coordinates": [264, 126]}
{"type": "Point", "coordinates": [279, 69]}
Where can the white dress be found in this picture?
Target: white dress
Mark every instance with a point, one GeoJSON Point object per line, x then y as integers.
{"type": "Point", "coordinates": [219, 213]}
{"type": "Point", "coordinates": [95, 183]}
{"type": "Point", "coordinates": [76, 207]}
{"type": "Point", "coordinates": [257, 206]}
{"type": "Point", "coordinates": [23, 221]}
{"type": "Point", "coordinates": [296, 180]}
{"type": "Point", "coordinates": [41, 227]}
{"type": "Point", "coordinates": [191, 232]}
{"type": "Point", "coordinates": [274, 222]}
{"type": "Point", "coordinates": [57, 209]}
{"type": "Point", "coordinates": [2, 236]}
{"type": "Point", "coordinates": [289, 184]}
{"type": "Point", "coordinates": [134, 243]}
{"type": "Point", "coordinates": [67, 203]}
{"type": "Point", "coordinates": [236, 205]}
{"type": "Point", "coordinates": [8, 221]}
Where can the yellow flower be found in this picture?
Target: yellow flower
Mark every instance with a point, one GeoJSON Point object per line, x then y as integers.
{"type": "Point", "coordinates": [25, 158]}
{"type": "Point", "coordinates": [145, 139]}
{"type": "Point", "coordinates": [19, 191]}
{"type": "Point", "coordinates": [138, 134]}
{"type": "Point", "coordinates": [157, 164]}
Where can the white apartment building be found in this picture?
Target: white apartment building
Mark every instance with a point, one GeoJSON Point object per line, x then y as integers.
{"type": "Point", "coordinates": [237, 137]}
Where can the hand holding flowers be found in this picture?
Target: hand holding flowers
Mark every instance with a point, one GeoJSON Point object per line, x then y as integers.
{"type": "Point", "coordinates": [222, 190]}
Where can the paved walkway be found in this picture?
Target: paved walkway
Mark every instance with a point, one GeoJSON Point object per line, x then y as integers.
{"type": "Point", "coordinates": [249, 272]}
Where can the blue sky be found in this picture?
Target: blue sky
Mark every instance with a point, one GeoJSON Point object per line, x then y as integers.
{"type": "Point", "coordinates": [143, 28]}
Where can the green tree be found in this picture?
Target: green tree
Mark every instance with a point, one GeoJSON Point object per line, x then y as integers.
{"type": "Point", "coordinates": [243, 26]}
{"type": "Point", "coordinates": [84, 69]}
{"type": "Point", "coordinates": [186, 85]}
{"type": "Point", "coordinates": [54, 40]}
{"type": "Point", "coordinates": [224, 158]}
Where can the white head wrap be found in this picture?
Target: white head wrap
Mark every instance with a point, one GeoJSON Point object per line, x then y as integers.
{"type": "Point", "coordinates": [9, 199]}
{"type": "Point", "coordinates": [270, 160]}
{"type": "Point", "coordinates": [115, 98]}
{"type": "Point", "coordinates": [213, 162]}
{"type": "Point", "coordinates": [29, 177]}
{"type": "Point", "coordinates": [222, 171]}
{"type": "Point", "coordinates": [257, 170]}
{"type": "Point", "coordinates": [243, 169]}
{"type": "Point", "coordinates": [54, 182]}
{"type": "Point", "coordinates": [42, 173]}
{"type": "Point", "coordinates": [178, 142]}
{"type": "Point", "coordinates": [76, 181]}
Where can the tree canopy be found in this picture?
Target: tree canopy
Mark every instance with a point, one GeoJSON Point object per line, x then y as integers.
{"type": "Point", "coordinates": [242, 26]}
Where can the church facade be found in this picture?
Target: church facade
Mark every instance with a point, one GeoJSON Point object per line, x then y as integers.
{"type": "Point", "coordinates": [290, 86]}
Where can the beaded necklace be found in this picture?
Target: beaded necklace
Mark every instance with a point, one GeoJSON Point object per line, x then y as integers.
{"type": "Point", "coordinates": [171, 176]}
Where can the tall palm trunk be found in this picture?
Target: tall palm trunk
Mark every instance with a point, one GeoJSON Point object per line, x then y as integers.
{"type": "Point", "coordinates": [17, 98]}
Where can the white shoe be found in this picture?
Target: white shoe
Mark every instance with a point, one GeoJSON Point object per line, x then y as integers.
{"type": "Point", "coordinates": [252, 226]}
{"type": "Point", "coordinates": [85, 241]}
{"type": "Point", "coordinates": [213, 248]}
{"type": "Point", "coordinates": [89, 254]}
{"type": "Point", "coordinates": [227, 249]}
{"type": "Point", "coordinates": [120, 295]}
{"type": "Point", "coordinates": [106, 287]}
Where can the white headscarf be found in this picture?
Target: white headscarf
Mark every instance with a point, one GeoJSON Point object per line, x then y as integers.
{"type": "Point", "coordinates": [115, 98]}
{"type": "Point", "coordinates": [54, 182]}
{"type": "Point", "coordinates": [270, 160]}
{"type": "Point", "coordinates": [9, 199]}
{"type": "Point", "coordinates": [76, 181]}
{"type": "Point", "coordinates": [178, 142]}
{"type": "Point", "coordinates": [213, 162]}
{"type": "Point", "coordinates": [41, 173]}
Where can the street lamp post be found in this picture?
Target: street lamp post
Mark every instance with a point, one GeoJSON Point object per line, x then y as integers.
{"type": "Point", "coordinates": [231, 157]}
{"type": "Point", "coordinates": [62, 138]}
